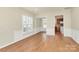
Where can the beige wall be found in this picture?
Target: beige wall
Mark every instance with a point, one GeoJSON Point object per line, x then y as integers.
{"type": "Point", "coordinates": [67, 18]}
{"type": "Point", "coordinates": [51, 16]}
{"type": "Point", "coordinates": [75, 18]}
{"type": "Point", "coordinates": [51, 19]}
{"type": "Point", "coordinates": [37, 22]}
{"type": "Point", "coordinates": [10, 21]}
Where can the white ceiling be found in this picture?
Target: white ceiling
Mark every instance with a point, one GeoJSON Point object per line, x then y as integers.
{"type": "Point", "coordinates": [44, 9]}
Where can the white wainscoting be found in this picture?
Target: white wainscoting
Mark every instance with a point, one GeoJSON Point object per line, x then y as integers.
{"type": "Point", "coordinates": [72, 33]}
{"type": "Point", "coordinates": [67, 32]}
{"type": "Point", "coordinates": [19, 35]}
{"type": "Point", "coordinates": [75, 35]}
{"type": "Point", "coordinates": [50, 31]}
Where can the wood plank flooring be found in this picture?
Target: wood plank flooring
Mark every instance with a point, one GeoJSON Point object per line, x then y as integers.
{"type": "Point", "coordinates": [40, 42]}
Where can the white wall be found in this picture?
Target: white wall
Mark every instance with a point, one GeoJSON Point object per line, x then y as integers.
{"type": "Point", "coordinates": [75, 23]}
{"type": "Point", "coordinates": [67, 22]}
{"type": "Point", "coordinates": [51, 20]}
{"type": "Point", "coordinates": [11, 21]}
{"type": "Point", "coordinates": [75, 18]}
{"type": "Point", "coordinates": [71, 21]}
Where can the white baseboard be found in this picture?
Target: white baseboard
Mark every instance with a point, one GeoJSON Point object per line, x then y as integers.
{"type": "Point", "coordinates": [75, 35]}
{"type": "Point", "coordinates": [20, 38]}
{"type": "Point", "coordinates": [72, 33]}
{"type": "Point", "coordinates": [50, 31]}
{"type": "Point", "coordinates": [68, 32]}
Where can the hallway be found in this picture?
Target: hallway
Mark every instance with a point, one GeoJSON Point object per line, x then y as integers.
{"type": "Point", "coordinates": [42, 43]}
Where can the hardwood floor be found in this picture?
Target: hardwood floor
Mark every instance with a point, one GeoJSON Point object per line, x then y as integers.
{"type": "Point", "coordinates": [42, 43]}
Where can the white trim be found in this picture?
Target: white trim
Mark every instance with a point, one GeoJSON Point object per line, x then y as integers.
{"type": "Point", "coordinates": [75, 35]}
{"type": "Point", "coordinates": [21, 38]}
{"type": "Point", "coordinates": [50, 31]}
{"type": "Point", "coordinates": [25, 35]}
{"type": "Point", "coordinates": [68, 32]}
{"type": "Point", "coordinates": [72, 33]}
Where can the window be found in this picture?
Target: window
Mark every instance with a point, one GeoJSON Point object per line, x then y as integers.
{"type": "Point", "coordinates": [27, 24]}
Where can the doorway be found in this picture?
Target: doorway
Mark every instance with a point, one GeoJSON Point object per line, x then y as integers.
{"type": "Point", "coordinates": [59, 25]}
{"type": "Point", "coordinates": [43, 24]}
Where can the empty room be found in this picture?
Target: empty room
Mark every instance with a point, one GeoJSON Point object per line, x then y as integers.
{"type": "Point", "coordinates": [39, 29]}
